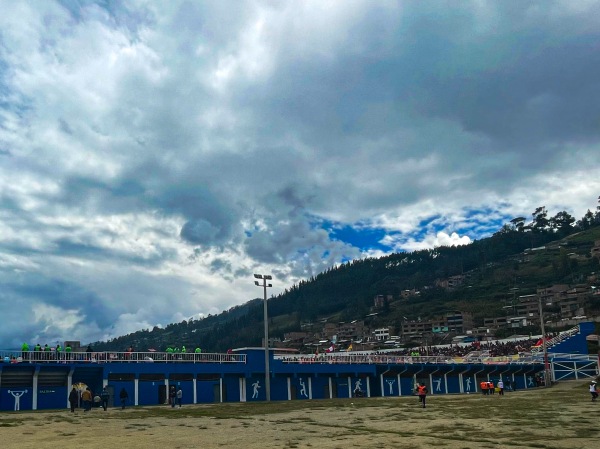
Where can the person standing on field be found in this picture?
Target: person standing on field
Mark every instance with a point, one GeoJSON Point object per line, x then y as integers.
{"type": "Point", "coordinates": [123, 396]}
{"type": "Point", "coordinates": [73, 399]}
{"type": "Point", "coordinates": [104, 396]}
{"type": "Point", "coordinates": [500, 386]}
{"type": "Point", "coordinates": [593, 391]}
{"type": "Point", "coordinates": [179, 396]}
{"type": "Point", "coordinates": [86, 398]}
{"type": "Point", "coordinates": [422, 392]}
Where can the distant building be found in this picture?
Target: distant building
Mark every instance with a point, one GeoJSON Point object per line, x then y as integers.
{"type": "Point", "coordinates": [495, 322]}
{"type": "Point", "coordinates": [527, 307]}
{"type": "Point", "coordinates": [452, 282]}
{"type": "Point", "coordinates": [595, 251]}
{"type": "Point", "coordinates": [454, 322]}
{"type": "Point", "coordinates": [407, 294]}
{"type": "Point", "coordinates": [382, 334]}
{"type": "Point", "coordinates": [574, 303]}
{"type": "Point", "coordinates": [553, 294]}
{"type": "Point", "coordinates": [380, 301]}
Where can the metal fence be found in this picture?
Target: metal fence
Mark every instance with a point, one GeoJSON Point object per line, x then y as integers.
{"type": "Point", "coordinates": [522, 358]}
{"type": "Point", "coordinates": [110, 357]}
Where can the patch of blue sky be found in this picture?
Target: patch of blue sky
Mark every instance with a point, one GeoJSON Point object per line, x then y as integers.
{"type": "Point", "coordinates": [360, 236]}
{"type": "Point", "coordinates": [480, 223]}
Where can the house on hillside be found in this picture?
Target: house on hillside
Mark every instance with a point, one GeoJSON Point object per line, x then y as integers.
{"type": "Point", "coordinates": [553, 294]}
{"type": "Point", "coordinates": [407, 294]}
{"type": "Point", "coordinates": [595, 251]}
{"type": "Point", "coordinates": [296, 339]}
{"type": "Point", "coordinates": [452, 282]}
{"type": "Point", "coordinates": [380, 301]}
{"type": "Point", "coordinates": [574, 303]}
{"type": "Point", "coordinates": [455, 322]}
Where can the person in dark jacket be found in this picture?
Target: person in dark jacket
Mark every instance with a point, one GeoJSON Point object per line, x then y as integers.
{"type": "Point", "coordinates": [104, 396]}
{"type": "Point", "coordinates": [123, 396]}
{"type": "Point", "coordinates": [73, 399]}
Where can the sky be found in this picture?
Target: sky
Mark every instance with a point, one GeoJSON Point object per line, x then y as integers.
{"type": "Point", "coordinates": [155, 155]}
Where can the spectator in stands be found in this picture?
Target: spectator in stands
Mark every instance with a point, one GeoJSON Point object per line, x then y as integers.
{"type": "Point", "coordinates": [25, 351]}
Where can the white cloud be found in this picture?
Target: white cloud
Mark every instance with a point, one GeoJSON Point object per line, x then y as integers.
{"type": "Point", "coordinates": [154, 155]}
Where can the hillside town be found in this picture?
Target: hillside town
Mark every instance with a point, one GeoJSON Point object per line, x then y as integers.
{"type": "Point", "coordinates": [559, 306]}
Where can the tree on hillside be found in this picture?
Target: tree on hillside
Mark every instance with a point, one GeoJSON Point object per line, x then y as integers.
{"type": "Point", "coordinates": [587, 221]}
{"type": "Point", "coordinates": [540, 221]}
{"type": "Point", "coordinates": [562, 223]}
{"type": "Point", "coordinates": [518, 224]}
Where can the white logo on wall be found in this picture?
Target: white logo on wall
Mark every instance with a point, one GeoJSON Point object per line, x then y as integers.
{"type": "Point", "coordinates": [391, 384]}
{"type": "Point", "coordinates": [303, 389]}
{"type": "Point", "coordinates": [17, 395]}
{"type": "Point", "coordinates": [255, 386]}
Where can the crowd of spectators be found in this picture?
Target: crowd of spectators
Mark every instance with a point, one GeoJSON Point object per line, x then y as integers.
{"type": "Point", "coordinates": [483, 350]}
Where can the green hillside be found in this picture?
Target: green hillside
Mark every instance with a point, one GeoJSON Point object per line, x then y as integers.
{"type": "Point", "coordinates": [516, 257]}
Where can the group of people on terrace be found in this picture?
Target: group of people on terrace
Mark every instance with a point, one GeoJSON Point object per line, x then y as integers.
{"type": "Point", "coordinates": [47, 353]}
{"type": "Point", "coordinates": [182, 350]}
{"type": "Point", "coordinates": [44, 353]}
{"type": "Point", "coordinates": [491, 349]}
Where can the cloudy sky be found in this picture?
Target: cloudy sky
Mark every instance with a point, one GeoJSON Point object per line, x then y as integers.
{"type": "Point", "coordinates": [154, 155]}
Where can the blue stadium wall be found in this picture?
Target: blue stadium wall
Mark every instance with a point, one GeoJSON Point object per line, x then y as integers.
{"type": "Point", "coordinates": [39, 386]}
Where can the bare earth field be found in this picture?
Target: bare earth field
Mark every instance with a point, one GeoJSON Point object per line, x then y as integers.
{"type": "Point", "coordinates": [560, 417]}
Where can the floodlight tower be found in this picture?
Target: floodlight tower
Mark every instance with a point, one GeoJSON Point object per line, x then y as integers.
{"type": "Point", "coordinates": [264, 285]}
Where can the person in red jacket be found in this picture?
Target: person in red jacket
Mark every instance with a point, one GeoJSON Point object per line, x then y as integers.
{"type": "Point", "coordinates": [422, 392]}
{"type": "Point", "coordinates": [484, 387]}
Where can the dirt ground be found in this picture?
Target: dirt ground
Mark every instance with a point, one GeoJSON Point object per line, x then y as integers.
{"type": "Point", "coordinates": [559, 417]}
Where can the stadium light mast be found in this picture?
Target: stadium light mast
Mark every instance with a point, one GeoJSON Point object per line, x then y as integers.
{"type": "Point", "coordinates": [264, 285]}
{"type": "Point", "coordinates": [547, 374]}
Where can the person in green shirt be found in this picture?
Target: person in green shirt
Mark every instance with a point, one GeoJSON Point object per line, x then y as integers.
{"type": "Point", "coordinates": [25, 351]}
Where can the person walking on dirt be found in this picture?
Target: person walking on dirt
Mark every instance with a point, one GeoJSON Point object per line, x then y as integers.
{"type": "Point", "coordinates": [422, 392]}
{"type": "Point", "coordinates": [593, 391]}
{"type": "Point", "coordinates": [123, 395]}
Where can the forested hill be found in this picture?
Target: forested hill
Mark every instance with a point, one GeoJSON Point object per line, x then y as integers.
{"type": "Point", "coordinates": [494, 266]}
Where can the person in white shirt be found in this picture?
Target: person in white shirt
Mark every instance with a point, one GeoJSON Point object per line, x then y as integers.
{"type": "Point", "coordinates": [593, 391]}
{"type": "Point", "coordinates": [500, 386]}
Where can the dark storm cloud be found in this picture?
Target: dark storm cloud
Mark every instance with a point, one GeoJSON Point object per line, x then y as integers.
{"type": "Point", "coordinates": [155, 155]}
